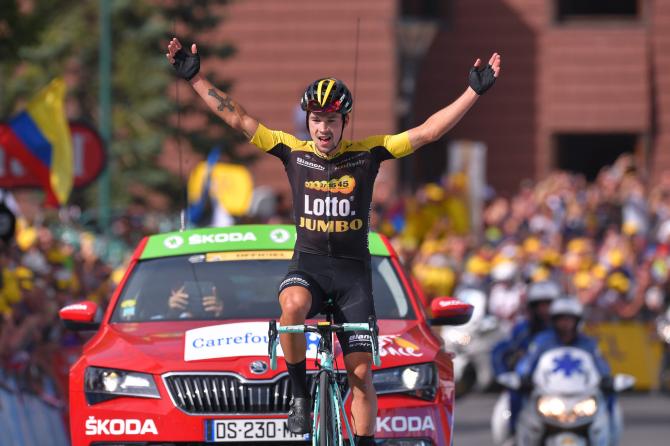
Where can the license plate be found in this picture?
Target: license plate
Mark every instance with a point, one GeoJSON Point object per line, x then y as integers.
{"type": "Point", "coordinates": [234, 431]}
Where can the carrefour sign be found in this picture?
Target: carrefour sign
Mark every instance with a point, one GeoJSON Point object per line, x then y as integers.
{"type": "Point", "coordinates": [235, 340]}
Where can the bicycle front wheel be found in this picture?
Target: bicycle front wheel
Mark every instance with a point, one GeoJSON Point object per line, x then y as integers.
{"type": "Point", "coordinates": [327, 434]}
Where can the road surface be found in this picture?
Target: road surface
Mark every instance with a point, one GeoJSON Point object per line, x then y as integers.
{"type": "Point", "coordinates": [646, 418]}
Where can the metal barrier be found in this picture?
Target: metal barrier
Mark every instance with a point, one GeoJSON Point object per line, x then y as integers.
{"type": "Point", "coordinates": [27, 419]}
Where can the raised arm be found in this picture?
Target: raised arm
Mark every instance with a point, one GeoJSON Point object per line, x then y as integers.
{"type": "Point", "coordinates": [481, 79]}
{"type": "Point", "coordinates": [187, 65]}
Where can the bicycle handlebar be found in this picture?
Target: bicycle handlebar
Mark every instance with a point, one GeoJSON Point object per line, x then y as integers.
{"type": "Point", "coordinates": [323, 328]}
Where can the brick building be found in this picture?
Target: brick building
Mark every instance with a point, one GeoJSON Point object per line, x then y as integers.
{"type": "Point", "coordinates": [281, 46]}
{"type": "Point", "coordinates": [582, 80]}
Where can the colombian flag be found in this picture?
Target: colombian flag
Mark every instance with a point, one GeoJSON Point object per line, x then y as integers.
{"type": "Point", "coordinates": [39, 137]}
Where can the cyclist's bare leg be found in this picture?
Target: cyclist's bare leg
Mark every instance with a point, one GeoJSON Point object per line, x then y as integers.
{"type": "Point", "coordinates": [295, 302]}
{"type": "Point", "coordinates": [364, 398]}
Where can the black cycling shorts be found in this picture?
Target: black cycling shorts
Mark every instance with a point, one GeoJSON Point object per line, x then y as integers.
{"type": "Point", "coordinates": [347, 282]}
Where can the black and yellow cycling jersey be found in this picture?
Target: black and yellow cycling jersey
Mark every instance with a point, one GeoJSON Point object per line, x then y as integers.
{"type": "Point", "coordinates": [332, 194]}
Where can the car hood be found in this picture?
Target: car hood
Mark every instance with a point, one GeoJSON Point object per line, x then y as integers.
{"type": "Point", "coordinates": [162, 347]}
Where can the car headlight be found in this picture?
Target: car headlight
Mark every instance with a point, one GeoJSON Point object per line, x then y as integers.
{"type": "Point", "coordinates": [101, 384]}
{"type": "Point", "coordinates": [419, 380]}
{"type": "Point", "coordinates": [586, 408]}
{"type": "Point", "coordinates": [551, 406]}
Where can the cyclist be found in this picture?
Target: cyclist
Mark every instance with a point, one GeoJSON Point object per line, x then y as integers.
{"type": "Point", "coordinates": [331, 181]}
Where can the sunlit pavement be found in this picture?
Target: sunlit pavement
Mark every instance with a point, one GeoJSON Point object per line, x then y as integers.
{"type": "Point", "coordinates": [646, 417]}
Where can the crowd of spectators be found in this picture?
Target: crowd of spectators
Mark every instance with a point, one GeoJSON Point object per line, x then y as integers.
{"type": "Point", "coordinates": [45, 267]}
{"type": "Point", "coordinates": [606, 242]}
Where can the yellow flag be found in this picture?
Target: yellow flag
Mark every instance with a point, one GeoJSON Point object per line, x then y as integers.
{"type": "Point", "coordinates": [230, 184]}
{"type": "Point", "coordinates": [47, 110]}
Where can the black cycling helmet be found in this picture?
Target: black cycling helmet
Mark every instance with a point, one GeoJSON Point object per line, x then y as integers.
{"type": "Point", "coordinates": [327, 95]}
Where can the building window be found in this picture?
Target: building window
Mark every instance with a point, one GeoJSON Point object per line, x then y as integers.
{"type": "Point", "coordinates": [424, 9]}
{"type": "Point", "coordinates": [587, 153]}
{"type": "Point", "coordinates": [597, 9]}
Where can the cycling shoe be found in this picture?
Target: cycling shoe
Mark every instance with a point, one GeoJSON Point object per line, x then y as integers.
{"type": "Point", "coordinates": [299, 420]}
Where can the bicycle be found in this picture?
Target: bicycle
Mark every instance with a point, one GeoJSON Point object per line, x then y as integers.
{"type": "Point", "coordinates": [327, 420]}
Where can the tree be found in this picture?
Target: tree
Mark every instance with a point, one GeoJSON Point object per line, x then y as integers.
{"type": "Point", "coordinates": [143, 103]}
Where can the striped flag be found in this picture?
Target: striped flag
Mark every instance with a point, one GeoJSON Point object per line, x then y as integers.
{"type": "Point", "coordinates": [39, 137]}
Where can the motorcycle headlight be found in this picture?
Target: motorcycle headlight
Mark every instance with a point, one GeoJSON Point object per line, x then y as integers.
{"type": "Point", "coordinates": [101, 384]}
{"type": "Point", "coordinates": [419, 380]}
{"type": "Point", "coordinates": [586, 408]}
{"type": "Point", "coordinates": [551, 406]}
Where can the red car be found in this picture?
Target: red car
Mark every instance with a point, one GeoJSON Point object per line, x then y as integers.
{"type": "Point", "coordinates": [154, 374]}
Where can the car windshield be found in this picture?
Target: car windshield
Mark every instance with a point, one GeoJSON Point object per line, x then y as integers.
{"type": "Point", "coordinates": [243, 289]}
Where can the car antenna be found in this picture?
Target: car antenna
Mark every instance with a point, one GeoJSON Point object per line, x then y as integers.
{"type": "Point", "coordinates": [182, 212]}
{"type": "Point", "coordinates": [358, 31]}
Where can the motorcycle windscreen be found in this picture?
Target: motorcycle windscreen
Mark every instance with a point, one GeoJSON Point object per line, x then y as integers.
{"type": "Point", "coordinates": [566, 370]}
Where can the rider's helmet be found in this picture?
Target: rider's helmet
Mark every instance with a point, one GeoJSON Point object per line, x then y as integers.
{"type": "Point", "coordinates": [546, 290]}
{"type": "Point", "coordinates": [566, 306]}
{"type": "Point", "coordinates": [327, 95]}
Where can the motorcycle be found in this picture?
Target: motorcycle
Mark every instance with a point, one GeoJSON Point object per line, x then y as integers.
{"type": "Point", "coordinates": [472, 344]}
{"type": "Point", "coordinates": [566, 405]}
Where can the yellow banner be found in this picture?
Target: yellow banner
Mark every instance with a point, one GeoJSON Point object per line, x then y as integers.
{"type": "Point", "coordinates": [630, 347]}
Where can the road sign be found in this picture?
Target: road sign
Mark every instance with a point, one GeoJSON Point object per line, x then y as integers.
{"type": "Point", "coordinates": [89, 159]}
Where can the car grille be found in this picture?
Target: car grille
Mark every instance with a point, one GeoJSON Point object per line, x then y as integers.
{"type": "Point", "coordinates": [210, 393]}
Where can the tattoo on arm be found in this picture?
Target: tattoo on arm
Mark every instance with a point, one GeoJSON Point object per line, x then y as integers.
{"type": "Point", "coordinates": [224, 103]}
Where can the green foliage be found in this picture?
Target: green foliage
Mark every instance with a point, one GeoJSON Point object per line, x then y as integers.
{"type": "Point", "coordinates": [61, 38]}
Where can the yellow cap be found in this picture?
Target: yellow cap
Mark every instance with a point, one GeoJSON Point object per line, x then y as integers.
{"type": "Point", "coordinates": [540, 274]}
{"type": "Point", "coordinates": [25, 238]}
{"type": "Point", "coordinates": [477, 265]}
{"type": "Point", "coordinates": [434, 192]}
{"type": "Point", "coordinates": [582, 280]}
{"type": "Point", "coordinates": [21, 272]}
{"type": "Point", "coordinates": [618, 281]}
{"type": "Point", "coordinates": [576, 245]}
{"type": "Point", "coordinates": [599, 271]}
{"type": "Point", "coordinates": [629, 227]}
{"type": "Point", "coordinates": [551, 256]}
{"type": "Point", "coordinates": [532, 245]}
{"type": "Point", "coordinates": [615, 258]}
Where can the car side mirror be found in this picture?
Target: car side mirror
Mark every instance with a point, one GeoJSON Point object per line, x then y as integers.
{"type": "Point", "coordinates": [81, 316]}
{"type": "Point", "coordinates": [450, 311]}
{"type": "Point", "coordinates": [623, 382]}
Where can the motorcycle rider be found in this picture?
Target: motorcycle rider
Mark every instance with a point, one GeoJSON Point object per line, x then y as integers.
{"type": "Point", "coordinates": [507, 352]}
{"type": "Point", "coordinates": [566, 316]}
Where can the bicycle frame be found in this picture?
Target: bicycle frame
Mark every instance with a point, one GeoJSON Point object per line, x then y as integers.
{"type": "Point", "coordinates": [325, 359]}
